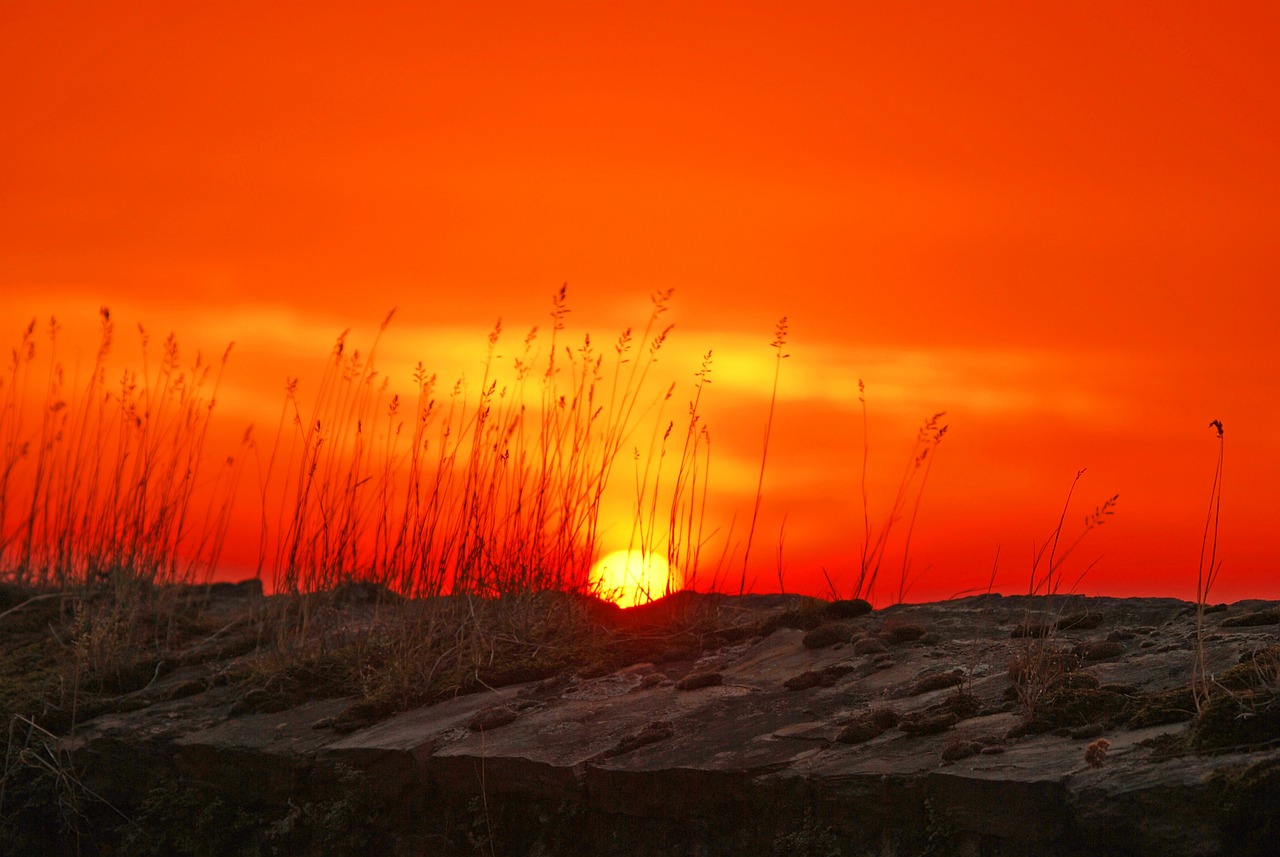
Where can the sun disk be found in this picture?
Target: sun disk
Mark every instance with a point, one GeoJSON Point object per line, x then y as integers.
{"type": "Point", "coordinates": [629, 578]}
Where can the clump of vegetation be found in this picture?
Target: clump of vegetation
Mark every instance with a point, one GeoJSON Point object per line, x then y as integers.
{"type": "Point", "coordinates": [1036, 671]}
{"type": "Point", "coordinates": [1251, 620]}
{"type": "Point", "coordinates": [867, 725]}
{"type": "Point", "coordinates": [869, 646]}
{"type": "Point", "coordinates": [1034, 629]}
{"type": "Point", "coordinates": [1041, 671]}
{"type": "Point", "coordinates": [929, 723]}
{"type": "Point", "coordinates": [1074, 707]}
{"type": "Point", "coordinates": [847, 608]}
{"type": "Point", "coordinates": [827, 634]}
{"type": "Point", "coordinates": [1158, 709]}
{"type": "Point", "coordinates": [914, 479]}
{"type": "Point", "coordinates": [900, 631]}
{"type": "Point", "coordinates": [1240, 720]}
{"type": "Point", "coordinates": [1079, 622]}
{"type": "Point", "coordinates": [1095, 755]}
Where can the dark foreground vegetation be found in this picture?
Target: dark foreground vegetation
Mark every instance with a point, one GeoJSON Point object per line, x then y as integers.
{"type": "Point", "coordinates": [377, 651]}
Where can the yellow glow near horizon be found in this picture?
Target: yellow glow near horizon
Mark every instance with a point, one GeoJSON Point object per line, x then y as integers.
{"type": "Point", "coordinates": [629, 578]}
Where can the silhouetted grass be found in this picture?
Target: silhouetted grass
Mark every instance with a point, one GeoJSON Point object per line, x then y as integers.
{"type": "Point", "coordinates": [1206, 573]}
{"type": "Point", "coordinates": [779, 341]}
{"type": "Point", "coordinates": [495, 487]}
{"type": "Point", "coordinates": [1039, 670]}
{"type": "Point", "coordinates": [99, 484]}
{"type": "Point", "coordinates": [873, 549]}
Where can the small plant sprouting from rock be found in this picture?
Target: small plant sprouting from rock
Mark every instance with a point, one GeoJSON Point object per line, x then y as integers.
{"type": "Point", "coordinates": [1096, 753]}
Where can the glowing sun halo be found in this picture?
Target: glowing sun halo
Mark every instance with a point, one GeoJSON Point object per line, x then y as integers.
{"type": "Point", "coordinates": [629, 578]}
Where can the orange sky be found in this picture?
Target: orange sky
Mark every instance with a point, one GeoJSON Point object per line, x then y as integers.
{"type": "Point", "coordinates": [1056, 222]}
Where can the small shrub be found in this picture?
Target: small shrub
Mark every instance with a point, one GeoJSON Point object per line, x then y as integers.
{"type": "Point", "coordinates": [850, 608]}
{"type": "Point", "coordinates": [1237, 720]}
{"type": "Point", "coordinates": [963, 705]}
{"type": "Point", "coordinates": [1036, 670]}
{"type": "Point", "coordinates": [826, 677]}
{"type": "Point", "coordinates": [884, 717]}
{"type": "Point", "coordinates": [1253, 620]}
{"type": "Point", "coordinates": [868, 725]}
{"type": "Point", "coordinates": [929, 724]}
{"type": "Point", "coordinates": [1080, 707]}
{"type": "Point", "coordinates": [869, 646]}
{"type": "Point", "coordinates": [1257, 670]}
{"type": "Point", "coordinates": [1159, 709]}
{"type": "Point", "coordinates": [1096, 753]}
{"type": "Point", "coordinates": [902, 632]}
{"type": "Point", "coordinates": [827, 634]}
{"type": "Point", "coordinates": [1030, 726]}
{"type": "Point", "coordinates": [961, 749]}
{"type": "Point", "coordinates": [1079, 622]}
{"type": "Point", "coordinates": [860, 730]}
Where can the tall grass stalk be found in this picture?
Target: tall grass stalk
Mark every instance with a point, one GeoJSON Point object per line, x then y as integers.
{"type": "Point", "coordinates": [688, 506]}
{"type": "Point", "coordinates": [920, 463]}
{"type": "Point", "coordinates": [1039, 664]}
{"type": "Point", "coordinates": [1049, 554]}
{"type": "Point", "coordinates": [105, 483]}
{"type": "Point", "coordinates": [779, 341]}
{"type": "Point", "coordinates": [1206, 573]}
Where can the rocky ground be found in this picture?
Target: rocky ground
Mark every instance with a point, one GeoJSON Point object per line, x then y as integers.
{"type": "Point", "coordinates": [987, 725]}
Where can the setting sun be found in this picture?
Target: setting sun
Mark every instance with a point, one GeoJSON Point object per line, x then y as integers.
{"type": "Point", "coordinates": [629, 578]}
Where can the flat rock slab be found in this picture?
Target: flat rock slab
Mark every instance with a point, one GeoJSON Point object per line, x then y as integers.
{"type": "Point", "coordinates": [729, 752]}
